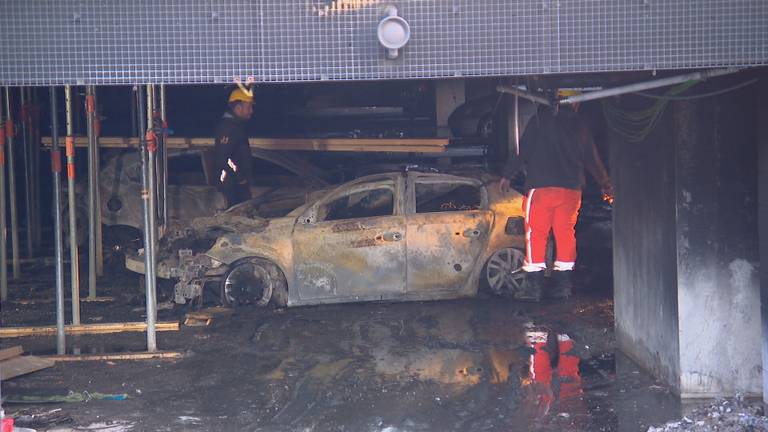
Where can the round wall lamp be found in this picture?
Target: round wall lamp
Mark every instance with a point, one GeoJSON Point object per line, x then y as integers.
{"type": "Point", "coordinates": [393, 32]}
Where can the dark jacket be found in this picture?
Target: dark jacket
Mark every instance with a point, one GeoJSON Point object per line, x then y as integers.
{"type": "Point", "coordinates": [232, 144]}
{"type": "Point", "coordinates": [555, 150]}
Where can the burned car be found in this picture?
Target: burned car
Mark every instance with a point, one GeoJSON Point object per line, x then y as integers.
{"type": "Point", "coordinates": [393, 236]}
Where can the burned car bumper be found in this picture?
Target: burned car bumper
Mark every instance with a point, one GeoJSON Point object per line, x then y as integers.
{"type": "Point", "coordinates": [190, 272]}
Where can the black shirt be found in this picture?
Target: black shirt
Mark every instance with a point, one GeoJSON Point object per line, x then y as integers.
{"type": "Point", "coordinates": [232, 144]}
{"type": "Point", "coordinates": [556, 149]}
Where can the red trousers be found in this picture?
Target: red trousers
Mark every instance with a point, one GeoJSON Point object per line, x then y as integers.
{"type": "Point", "coordinates": [555, 209]}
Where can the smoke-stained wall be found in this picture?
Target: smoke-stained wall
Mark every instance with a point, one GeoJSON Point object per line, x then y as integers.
{"type": "Point", "coordinates": [644, 250]}
{"type": "Point", "coordinates": [692, 317]}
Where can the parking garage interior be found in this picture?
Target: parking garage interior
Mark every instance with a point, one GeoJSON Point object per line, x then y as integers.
{"type": "Point", "coordinates": [409, 330]}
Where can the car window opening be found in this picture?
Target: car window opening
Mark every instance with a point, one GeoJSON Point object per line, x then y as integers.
{"type": "Point", "coordinates": [363, 204]}
{"type": "Point", "coordinates": [443, 197]}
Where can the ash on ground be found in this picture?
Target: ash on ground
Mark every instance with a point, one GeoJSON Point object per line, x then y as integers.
{"type": "Point", "coordinates": [722, 415]}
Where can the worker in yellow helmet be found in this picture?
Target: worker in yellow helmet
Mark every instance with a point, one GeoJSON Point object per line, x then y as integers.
{"type": "Point", "coordinates": [232, 151]}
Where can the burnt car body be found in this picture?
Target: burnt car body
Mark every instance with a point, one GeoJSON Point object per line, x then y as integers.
{"type": "Point", "coordinates": [393, 236]}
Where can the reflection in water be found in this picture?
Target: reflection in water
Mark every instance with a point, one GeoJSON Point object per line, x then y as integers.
{"type": "Point", "coordinates": [553, 376]}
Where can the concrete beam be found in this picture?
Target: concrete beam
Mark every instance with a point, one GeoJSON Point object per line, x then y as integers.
{"type": "Point", "coordinates": [449, 95]}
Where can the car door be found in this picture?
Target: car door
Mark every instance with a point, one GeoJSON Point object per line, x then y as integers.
{"type": "Point", "coordinates": [350, 246]}
{"type": "Point", "coordinates": [447, 229]}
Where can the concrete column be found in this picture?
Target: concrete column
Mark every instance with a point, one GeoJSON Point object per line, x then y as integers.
{"type": "Point", "coordinates": [717, 249]}
{"type": "Point", "coordinates": [644, 251]}
{"type": "Point", "coordinates": [686, 249]}
{"type": "Point", "coordinates": [449, 95]}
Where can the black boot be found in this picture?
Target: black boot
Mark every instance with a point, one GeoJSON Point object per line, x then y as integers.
{"type": "Point", "coordinates": [531, 288]}
{"type": "Point", "coordinates": [562, 286]}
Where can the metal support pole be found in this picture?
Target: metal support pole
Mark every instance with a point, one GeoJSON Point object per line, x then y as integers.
{"type": "Point", "coordinates": [523, 93]}
{"type": "Point", "coordinates": [26, 154]}
{"type": "Point", "coordinates": [9, 132]}
{"type": "Point", "coordinates": [3, 223]}
{"type": "Point", "coordinates": [90, 109]}
{"type": "Point", "coordinates": [97, 176]}
{"type": "Point", "coordinates": [636, 87]}
{"type": "Point", "coordinates": [516, 126]}
{"type": "Point", "coordinates": [35, 130]}
{"type": "Point", "coordinates": [147, 195]}
{"type": "Point", "coordinates": [57, 240]}
{"type": "Point", "coordinates": [73, 256]}
{"type": "Point", "coordinates": [164, 155]}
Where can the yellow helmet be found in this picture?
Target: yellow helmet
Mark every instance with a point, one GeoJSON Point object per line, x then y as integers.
{"type": "Point", "coordinates": [240, 95]}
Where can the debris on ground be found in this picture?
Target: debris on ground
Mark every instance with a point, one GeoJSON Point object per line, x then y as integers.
{"type": "Point", "coordinates": [111, 426]}
{"type": "Point", "coordinates": [204, 317]}
{"type": "Point", "coordinates": [723, 415]}
{"type": "Point", "coordinates": [37, 419]}
{"type": "Point", "coordinates": [71, 397]}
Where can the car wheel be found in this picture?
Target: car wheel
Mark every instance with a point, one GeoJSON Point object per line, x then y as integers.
{"type": "Point", "coordinates": [504, 271]}
{"type": "Point", "coordinates": [117, 239]}
{"type": "Point", "coordinates": [253, 281]}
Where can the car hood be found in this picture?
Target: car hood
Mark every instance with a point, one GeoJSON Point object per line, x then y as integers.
{"type": "Point", "coordinates": [271, 240]}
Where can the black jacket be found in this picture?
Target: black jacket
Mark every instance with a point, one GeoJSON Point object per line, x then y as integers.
{"type": "Point", "coordinates": [232, 144]}
{"type": "Point", "coordinates": [555, 150]}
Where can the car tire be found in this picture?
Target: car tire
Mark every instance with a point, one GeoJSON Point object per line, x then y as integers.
{"type": "Point", "coordinates": [503, 272]}
{"type": "Point", "coordinates": [253, 281]}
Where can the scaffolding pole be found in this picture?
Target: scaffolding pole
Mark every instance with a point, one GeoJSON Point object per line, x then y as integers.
{"type": "Point", "coordinates": [9, 133]}
{"type": "Point", "coordinates": [164, 156]}
{"type": "Point", "coordinates": [26, 154]}
{"type": "Point", "coordinates": [147, 195]}
{"type": "Point", "coordinates": [73, 258]}
{"type": "Point", "coordinates": [35, 131]}
{"type": "Point", "coordinates": [90, 110]}
{"type": "Point", "coordinates": [97, 170]}
{"type": "Point", "coordinates": [3, 222]}
{"type": "Point", "coordinates": [57, 240]}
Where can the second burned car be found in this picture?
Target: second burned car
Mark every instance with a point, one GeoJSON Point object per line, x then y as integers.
{"type": "Point", "coordinates": [393, 236]}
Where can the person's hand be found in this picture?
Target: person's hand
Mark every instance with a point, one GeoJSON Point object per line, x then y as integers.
{"type": "Point", "coordinates": [504, 185]}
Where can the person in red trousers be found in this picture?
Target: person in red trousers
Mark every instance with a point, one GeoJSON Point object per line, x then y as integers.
{"type": "Point", "coordinates": [555, 150]}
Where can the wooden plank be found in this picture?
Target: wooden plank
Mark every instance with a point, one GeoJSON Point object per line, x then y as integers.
{"type": "Point", "coordinates": [11, 352]}
{"type": "Point", "coordinates": [10, 332]}
{"type": "Point", "coordinates": [104, 299]}
{"type": "Point", "coordinates": [23, 365]}
{"type": "Point", "coordinates": [407, 145]}
{"type": "Point", "coordinates": [197, 320]}
{"type": "Point", "coordinates": [160, 355]}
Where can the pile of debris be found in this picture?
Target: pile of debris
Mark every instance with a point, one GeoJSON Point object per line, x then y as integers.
{"type": "Point", "coordinates": [723, 415]}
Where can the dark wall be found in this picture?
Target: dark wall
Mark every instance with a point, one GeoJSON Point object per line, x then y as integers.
{"type": "Point", "coordinates": [645, 278]}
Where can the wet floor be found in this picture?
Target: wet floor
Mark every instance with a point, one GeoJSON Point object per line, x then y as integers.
{"type": "Point", "coordinates": [469, 365]}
